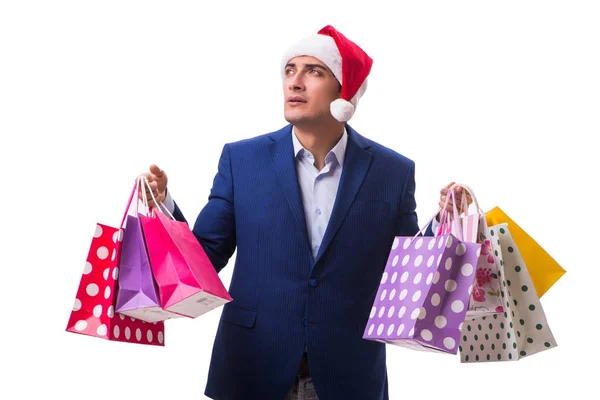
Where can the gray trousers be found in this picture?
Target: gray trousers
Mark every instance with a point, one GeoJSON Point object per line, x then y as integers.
{"type": "Point", "coordinates": [303, 388]}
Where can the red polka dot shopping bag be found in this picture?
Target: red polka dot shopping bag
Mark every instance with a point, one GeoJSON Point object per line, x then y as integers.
{"type": "Point", "coordinates": [423, 296]}
{"type": "Point", "coordinates": [187, 281]}
{"type": "Point", "coordinates": [522, 329]}
{"type": "Point", "coordinates": [93, 311]}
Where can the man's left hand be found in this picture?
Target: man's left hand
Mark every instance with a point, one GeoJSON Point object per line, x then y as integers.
{"type": "Point", "coordinates": [459, 192]}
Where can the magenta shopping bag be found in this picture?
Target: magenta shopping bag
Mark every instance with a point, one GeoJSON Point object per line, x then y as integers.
{"type": "Point", "coordinates": [187, 281]}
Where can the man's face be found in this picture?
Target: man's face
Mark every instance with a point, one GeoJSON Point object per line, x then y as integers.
{"type": "Point", "coordinates": [309, 88]}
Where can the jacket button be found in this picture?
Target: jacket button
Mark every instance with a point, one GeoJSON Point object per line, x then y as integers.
{"type": "Point", "coordinates": [313, 282]}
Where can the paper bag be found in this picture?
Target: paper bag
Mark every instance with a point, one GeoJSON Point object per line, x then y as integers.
{"type": "Point", "coordinates": [188, 282]}
{"type": "Point", "coordinates": [424, 292]}
{"type": "Point", "coordinates": [543, 269]}
{"type": "Point", "coordinates": [93, 310]}
{"type": "Point", "coordinates": [522, 330]}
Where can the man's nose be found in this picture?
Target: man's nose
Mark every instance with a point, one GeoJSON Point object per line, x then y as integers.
{"type": "Point", "coordinates": [297, 82]}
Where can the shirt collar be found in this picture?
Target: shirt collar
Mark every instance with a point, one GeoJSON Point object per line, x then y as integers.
{"type": "Point", "coordinates": [339, 150]}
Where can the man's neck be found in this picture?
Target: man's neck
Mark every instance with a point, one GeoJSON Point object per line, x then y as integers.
{"type": "Point", "coordinates": [319, 142]}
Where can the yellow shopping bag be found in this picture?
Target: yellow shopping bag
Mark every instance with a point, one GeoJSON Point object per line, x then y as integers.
{"type": "Point", "coordinates": [544, 270]}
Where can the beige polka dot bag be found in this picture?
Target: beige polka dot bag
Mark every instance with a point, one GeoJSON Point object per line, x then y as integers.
{"type": "Point", "coordinates": [522, 329]}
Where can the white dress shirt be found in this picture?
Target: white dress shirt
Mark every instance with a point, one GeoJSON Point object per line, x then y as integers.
{"type": "Point", "coordinates": [319, 188]}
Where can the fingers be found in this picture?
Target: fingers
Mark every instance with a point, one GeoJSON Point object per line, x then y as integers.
{"type": "Point", "coordinates": [458, 198]}
{"type": "Point", "coordinates": [157, 175]}
{"type": "Point", "coordinates": [156, 171]}
{"type": "Point", "coordinates": [153, 186]}
{"type": "Point", "coordinates": [160, 199]}
{"type": "Point", "coordinates": [154, 174]}
{"type": "Point", "coordinates": [152, 191]}
{"type": "Point", "coordinates": [469, 198]}
{"type": "Point", "coordinates": [445, 189]}
{"type": "Point", "coordinates": [449, 206]}
{"type": "Point", "coordinates": [458, 193]}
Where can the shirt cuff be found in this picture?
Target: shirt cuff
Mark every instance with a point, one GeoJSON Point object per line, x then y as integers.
{"type": "Point", "coordinates": [434, 226]}
{"type": "Point", "coordinates": [169, 204]}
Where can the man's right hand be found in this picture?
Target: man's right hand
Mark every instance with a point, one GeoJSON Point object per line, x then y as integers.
{"type": "Point", "coordinates": [157, 178]}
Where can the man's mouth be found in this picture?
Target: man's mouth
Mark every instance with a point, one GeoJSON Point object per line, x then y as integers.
{"type": "Point", "coordinates": [296, 100]}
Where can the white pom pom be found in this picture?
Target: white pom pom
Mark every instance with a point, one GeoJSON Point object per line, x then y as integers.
{"type": "Point", "coordinates": [341, 109]}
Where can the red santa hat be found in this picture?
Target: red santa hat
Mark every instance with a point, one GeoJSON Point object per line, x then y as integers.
{"type": "Point", "coordinates": [348, 62]}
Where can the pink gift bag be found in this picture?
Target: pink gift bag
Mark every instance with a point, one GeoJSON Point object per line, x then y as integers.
{"type": "Point", "coordinates": [187, 281]}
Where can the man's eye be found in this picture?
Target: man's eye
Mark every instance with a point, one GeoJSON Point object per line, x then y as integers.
{"type": "Point", "coordinates": [315, 72]}
{"type": "Point", "coordinates": [289, 72]}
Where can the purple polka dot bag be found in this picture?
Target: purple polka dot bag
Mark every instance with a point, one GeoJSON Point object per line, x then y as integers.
{"type": "Point", "coordinates": [424, 293]}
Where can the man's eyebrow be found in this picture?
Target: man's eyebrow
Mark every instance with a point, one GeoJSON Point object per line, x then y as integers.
{"type": "Point", "coordinates": [319, 66]}
{"type": "Point", "coordinates": [316, 66]}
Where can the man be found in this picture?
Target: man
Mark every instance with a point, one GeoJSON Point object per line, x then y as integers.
{"type": "Point", "coordinates": [312, 210]}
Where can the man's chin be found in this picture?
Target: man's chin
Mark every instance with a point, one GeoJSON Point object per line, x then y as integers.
{"type": "Point", "coordinates": [295, 118]}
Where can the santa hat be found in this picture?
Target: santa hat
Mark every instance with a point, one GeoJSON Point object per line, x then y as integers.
{"type": "Point", "coordinates": [348, 62]}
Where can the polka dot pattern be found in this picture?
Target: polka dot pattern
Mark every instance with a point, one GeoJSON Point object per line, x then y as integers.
{"type": "Point", "coordinates": [93, 310]}
{"type": "Point", "coordinates": [435, 276]}
{"type": "Point", "coordinates": [521, 329]}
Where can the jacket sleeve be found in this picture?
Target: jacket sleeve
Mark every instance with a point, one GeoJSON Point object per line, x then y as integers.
{"type": "Point", "coordinates": [215, 225]}
{"type": "Point", "coordinates": [406, 221]}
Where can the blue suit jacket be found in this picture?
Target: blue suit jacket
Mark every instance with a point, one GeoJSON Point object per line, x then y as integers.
{"type": "Point", "coordinates": [284, 299]}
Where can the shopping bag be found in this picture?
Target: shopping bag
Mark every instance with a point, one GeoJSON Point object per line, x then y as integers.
{"type": "Point", "coordinates": [424, 292]}
{"type": "Point", "coordinates": [543, 269]}
{"type": "Point", "coordinates": [485, 297]}
{"type": "Point", "coordinates": [522, 330]}
{"type": "Point", "coordinates": [93, 311]}
{"type": "Point", "coordinates": [187, 281]}
{"type": "Point", "coordinates": [468, 221]}
{"type": "Point", "coordinates": [138, 294]}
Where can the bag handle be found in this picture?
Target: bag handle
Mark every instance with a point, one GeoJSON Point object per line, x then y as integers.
{"type": "Point", "coordinates": [144, 196]}
{"type": "Point", "coordinates": [422, 230]}
{"type": "Point", "coordinates": [445, 217]}
{"type": "Point", "coordinates": [154, 199]}
{"type": "Point", "coordinates": [136, 186]}
{"type": "Point", "coordinates": [133, 191]}
{"type": "Point", "coordinates": [468, 189]}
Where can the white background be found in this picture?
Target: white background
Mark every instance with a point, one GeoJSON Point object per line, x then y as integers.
{"type": "Point", "coordinates": [502, 96]}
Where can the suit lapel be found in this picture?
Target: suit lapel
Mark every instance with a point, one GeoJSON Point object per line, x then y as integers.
{"type": "Point", "coordinates": [356, 165]}
{"type": "Point", "coordinates": [284, 164]}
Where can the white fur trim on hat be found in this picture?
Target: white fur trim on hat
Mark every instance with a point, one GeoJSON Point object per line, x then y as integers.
{"type": "Point", "coordinates": [343, 110]}
{"type": "Point", "coordinates": [321, 47]}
